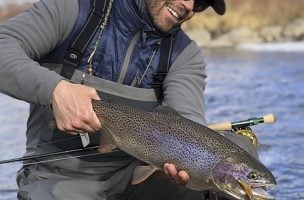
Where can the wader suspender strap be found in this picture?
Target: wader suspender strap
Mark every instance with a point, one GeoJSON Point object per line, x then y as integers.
{"type": "Point", "coordinates": [74, 53]}
{"type": "Point", "coordinates": [163, 66]}
{"type": "Point", "coordinates": [96, 18]}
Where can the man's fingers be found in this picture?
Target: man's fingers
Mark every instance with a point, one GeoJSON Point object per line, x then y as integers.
{"type": "Point", "coordinates": [94, 121]}
{"type": "Point", "coordinates": [184, 176]}
{"type": "Point", "coordinates": [97, 123]}
{"type": "Point", "coordinates": [170, 170]}
{"type": "Point", "coordinates": [178, 176]}
{"type": "Point", "coordinates": [72, 108]}
{"type": "Point", "coordinates": [80, 127]}
{"type": "Point", "coordinates": [74, 129]}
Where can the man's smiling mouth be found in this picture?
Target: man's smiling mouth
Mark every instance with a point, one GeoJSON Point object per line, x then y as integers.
{"type": "Point", "coordinates": [173, 12]}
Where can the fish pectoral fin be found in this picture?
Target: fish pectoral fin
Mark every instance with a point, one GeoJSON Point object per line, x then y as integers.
{"type": "Point", "coordinates": [141, 173]}
{"type": "Point", "coordinates": [106, 143]}
{"type": "Point", "coordinates": [108, 148]}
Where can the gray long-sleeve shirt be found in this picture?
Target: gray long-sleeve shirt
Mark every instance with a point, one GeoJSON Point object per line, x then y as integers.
{"type": "Point", "coordinates": [37, 31]}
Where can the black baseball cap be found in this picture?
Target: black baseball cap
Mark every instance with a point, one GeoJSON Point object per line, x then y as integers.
{"type": "Point", "coordinates": [218, 6]}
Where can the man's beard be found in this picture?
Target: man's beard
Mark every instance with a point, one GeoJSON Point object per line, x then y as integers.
{"type": "Point", "coordinates": [153, 9]}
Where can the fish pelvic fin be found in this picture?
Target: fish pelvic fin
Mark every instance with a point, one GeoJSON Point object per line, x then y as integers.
{"type": "Point", "coordinates": [106, 144]}
{"type": "Point", "coordinates": [141, 173]}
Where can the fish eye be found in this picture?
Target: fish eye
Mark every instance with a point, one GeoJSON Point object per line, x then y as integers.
{"type": "Point", "coordinates": [253, 176]}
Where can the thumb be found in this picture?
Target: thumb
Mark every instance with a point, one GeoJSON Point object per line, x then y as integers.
{"type": "Point", "coordinates": [96, 120]}
{"type": "Point", "coordinates": [95, 95]}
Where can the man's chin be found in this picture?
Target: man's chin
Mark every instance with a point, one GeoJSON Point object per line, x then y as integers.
{"type": "Point", "coordinates": [165, 28]}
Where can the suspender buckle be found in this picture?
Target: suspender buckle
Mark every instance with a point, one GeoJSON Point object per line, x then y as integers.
{"type": "Point", "coordinates": [73, 57]}
{"type": "Point", "coordinates": [158, 79]}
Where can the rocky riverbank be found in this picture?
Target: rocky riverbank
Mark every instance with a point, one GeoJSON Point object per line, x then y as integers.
{"type": "Point", "coordinates": [245, 22]}
{"type": "Point", "coordinates": [293, 31]}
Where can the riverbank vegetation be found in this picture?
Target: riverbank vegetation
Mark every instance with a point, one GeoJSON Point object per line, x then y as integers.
{"type": "Point", "coordinates": [253, 14]}
{"type": "Point", "coordinates": [11, 9]}
{"type": "Point", "coordinates": [249, 21]}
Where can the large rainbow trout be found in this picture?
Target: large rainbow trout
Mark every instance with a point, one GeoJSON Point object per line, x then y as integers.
{"type": "Point", "coordinates": [164, 136]}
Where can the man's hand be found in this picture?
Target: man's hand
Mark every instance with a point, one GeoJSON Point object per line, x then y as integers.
{"type": "Point", "coordinates": [179, 176]}
{"type": "Point", "coordinates": [72, 108]}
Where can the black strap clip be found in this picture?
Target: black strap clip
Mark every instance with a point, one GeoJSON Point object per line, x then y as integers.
{"type": "Point", "coordinates": [158, 79]}
{"type": "Point", "coordinates": [73, 55]}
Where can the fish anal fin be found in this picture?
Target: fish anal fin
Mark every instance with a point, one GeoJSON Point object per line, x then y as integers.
{"type": "Point", "coordinates": [141, 173]}
{"type": "Point", "coordinates": [106, 144]}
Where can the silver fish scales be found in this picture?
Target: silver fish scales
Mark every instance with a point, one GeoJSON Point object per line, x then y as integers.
{"type": "Point", "coordinates": [163, 136]}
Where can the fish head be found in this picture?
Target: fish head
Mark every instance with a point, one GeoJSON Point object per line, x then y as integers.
{"type": "Point", "coordinates": [243, 177]}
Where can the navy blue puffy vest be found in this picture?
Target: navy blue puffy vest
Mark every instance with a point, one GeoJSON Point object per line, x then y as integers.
{"type": "Point", "coordinates": [124, 23]}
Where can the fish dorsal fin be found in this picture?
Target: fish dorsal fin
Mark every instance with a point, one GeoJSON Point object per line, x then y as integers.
{"type": "Point", "coordinates": [106, 144]}
{"type": "Point", "coordinates": [141, 173]}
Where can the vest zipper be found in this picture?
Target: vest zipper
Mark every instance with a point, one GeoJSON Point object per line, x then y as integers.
{"type": "Point", "coordinates": [141, 78]}
{"type": "Point", "coordinates": [126, 62]}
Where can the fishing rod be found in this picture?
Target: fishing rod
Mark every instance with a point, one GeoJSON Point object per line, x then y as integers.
{"type": "Point", "coordinates": [243, 127]}
{"type": "Point", "coordinates": [227, 126]}
{"type": "Point", "coordinates": [268, 119]}
{"type": "Point", "coordinates": [47, 155]}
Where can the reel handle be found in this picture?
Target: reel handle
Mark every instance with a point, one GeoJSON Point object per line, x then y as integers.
{"type": "Point", "coordinates": [227, 126]}
{"type": "Point", "coordinates": [269, 119]}
{"type": "Point", "coordinates": [223, 126]}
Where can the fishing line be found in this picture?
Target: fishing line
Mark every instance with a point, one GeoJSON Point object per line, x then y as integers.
{"type": "Point", "coordinates": [65, 158]}
{"type": "Point", "coordinates": [59, 159]}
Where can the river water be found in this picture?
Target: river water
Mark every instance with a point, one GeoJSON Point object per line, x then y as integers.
{"type": "Point", "coordinates": [241, 84]}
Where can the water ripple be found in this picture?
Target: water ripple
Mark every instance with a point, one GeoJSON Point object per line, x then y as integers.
{"type": "Point", "coordinates": [241, 85]}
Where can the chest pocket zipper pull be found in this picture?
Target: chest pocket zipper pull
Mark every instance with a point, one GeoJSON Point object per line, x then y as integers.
{"type": "Point", "coordinates": [144, 37]}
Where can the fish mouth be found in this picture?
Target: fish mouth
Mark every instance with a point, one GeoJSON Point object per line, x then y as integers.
{"type": "Point", "coordinates": [256, 192]}
{"type": "Point", "coordinates": [247, 191]}
{"type": "Point", "coordinates": [236, 178]}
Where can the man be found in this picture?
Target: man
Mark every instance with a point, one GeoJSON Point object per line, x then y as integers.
{"type": "Point", "coordinates": [123, 53]}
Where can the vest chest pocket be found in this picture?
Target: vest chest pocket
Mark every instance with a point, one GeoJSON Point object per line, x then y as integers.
{"type": "Point", "coordinates": [105, 66]}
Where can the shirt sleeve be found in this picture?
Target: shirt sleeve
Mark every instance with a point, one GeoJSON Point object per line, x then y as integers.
{"type": "Point", "coordinates": [184, 84]}
{"type": "Point", "coordinates": [26, 38]}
